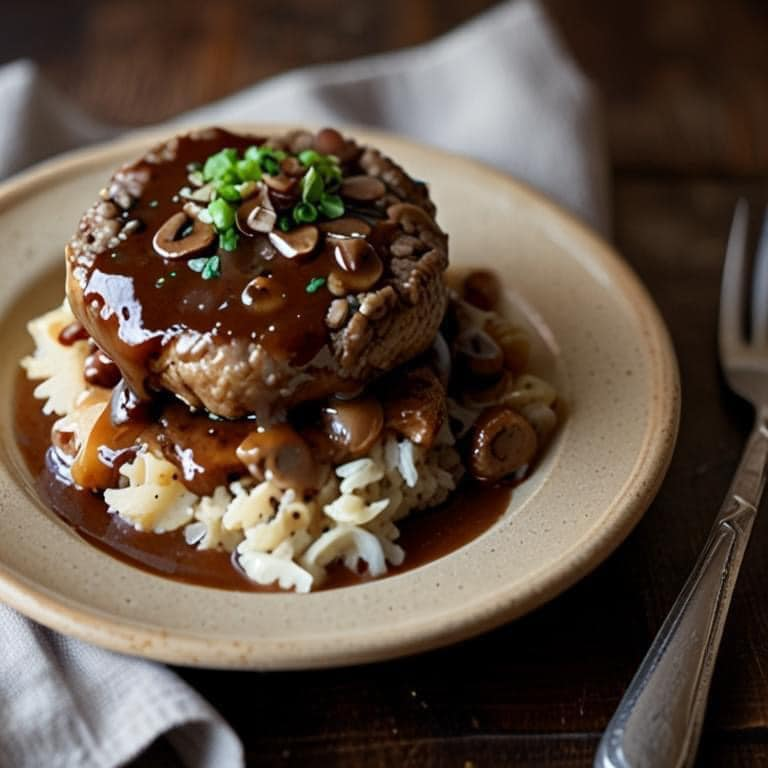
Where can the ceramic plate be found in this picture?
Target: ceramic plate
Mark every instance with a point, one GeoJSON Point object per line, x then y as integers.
{"type": "Point", "coordinates": [597, 336]}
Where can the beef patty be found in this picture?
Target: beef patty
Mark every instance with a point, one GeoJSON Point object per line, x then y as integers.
{"type": "Point", "coordinates": [247, 275]}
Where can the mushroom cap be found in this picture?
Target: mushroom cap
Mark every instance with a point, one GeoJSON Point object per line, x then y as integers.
{"type": "Point", "coordinates": [354, 425]}
{"type": "Point", "coordinates": [282, 455]}
{"type": "Point", "coordinates": [502, 442]}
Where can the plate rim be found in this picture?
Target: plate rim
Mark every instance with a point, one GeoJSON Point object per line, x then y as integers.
{"type": "Point", "coordinates": [645, 478]}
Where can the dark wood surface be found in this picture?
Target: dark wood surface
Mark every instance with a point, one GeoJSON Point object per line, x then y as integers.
{"type": "Point", "coordinates": [686, 99]}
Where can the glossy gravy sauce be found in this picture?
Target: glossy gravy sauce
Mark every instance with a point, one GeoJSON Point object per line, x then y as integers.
{"type": "Point", "coordinates": [128, 289]}
{"type": "Point", "coordinates": [425, 536]}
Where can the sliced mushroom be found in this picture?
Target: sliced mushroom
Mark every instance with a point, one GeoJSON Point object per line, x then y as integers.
{"type": "Point", "coordinates": [502, 443]}
{"type": "Point", "coordinates": [291, 166]}
{"type": "Point", "coordinates": [256, 215]}
{"type": "Point", "coordinates": [412, 216]}
{"type": "Point", "coordinates": [297, 242]}
{"type": "Point", "coordinates": [262, 295]}
{"type": "Point", "coordinates": [363, 188]}
{"type": "Point", "coordinates": [481, 289]}
{"type": "Point", "coordinates": [281, 183]}
{"type": "Point", "coordinates": [329, 141]}
{"type": "Point", "coordinates": [182, 237]}
{"type": "Point", "coordinates": [281, 454]}
{"type": "Point", "coordinates": [480, 395]}
{"type": "Point", "coordinates": [346, 227]}
{"type": "Point", "coordinates": [198, 194]}
{"type": "Point", "coordinates": [72, 333]}
{"type": "Point", "coordinates": [414, 406]}
{"type": "Point", "coordinates": [477, 354]}
{"type": "Point", "coordinates": [359, 266]}
{"type": "Point", "coordinates": [100, 371]}
{"type": "Point", "coordinates": [354, 425]}
{"type": "Point", "coordinates": [282, 201]}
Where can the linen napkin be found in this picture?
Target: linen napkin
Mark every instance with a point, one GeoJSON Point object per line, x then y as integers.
{"type": "Point", "coordinates": [499, 88]}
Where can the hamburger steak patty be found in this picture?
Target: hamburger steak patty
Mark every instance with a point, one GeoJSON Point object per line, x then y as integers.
{"type": "Point", "coordinates": [280, 271]}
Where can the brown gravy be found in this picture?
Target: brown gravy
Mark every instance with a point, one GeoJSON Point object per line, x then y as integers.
{"type": "Point", "coordinates": [425, 536]}
{"type": "Point", "coordinates": [138, 302]}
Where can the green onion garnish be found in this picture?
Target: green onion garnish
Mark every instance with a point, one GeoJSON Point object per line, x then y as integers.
{"type": "Point", "coordinates": [315, 284]}
{"type": "Point", "coordinates": [212, 268]}
{"type": "Point", "coordinates": [222, 215]}
{"type": "Point", "coordinates": [304, 213]}
{"type": "Point", "coordinates": [228, 239]}
{"type": "Point", "coordinates": [331, 206]}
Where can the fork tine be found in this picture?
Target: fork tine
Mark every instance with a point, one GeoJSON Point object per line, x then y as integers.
{"type": "Point", "coordinates": [732, 290]}
{"type": "Point", "coordinates": [760, 289]}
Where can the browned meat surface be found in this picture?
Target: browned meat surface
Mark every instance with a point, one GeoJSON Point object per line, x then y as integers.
{"type": "Point", "coordinates": [276, 317]}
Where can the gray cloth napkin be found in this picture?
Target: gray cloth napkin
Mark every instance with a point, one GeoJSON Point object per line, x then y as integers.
{"type": "Point", "coordinates": [499, 88]}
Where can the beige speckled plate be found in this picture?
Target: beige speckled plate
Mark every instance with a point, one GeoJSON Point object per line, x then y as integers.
{"type": "Point", "coordinates": [597, 335]}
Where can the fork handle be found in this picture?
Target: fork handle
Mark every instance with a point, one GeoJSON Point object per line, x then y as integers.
{"type": "Point", "coordinates": [658, 722]}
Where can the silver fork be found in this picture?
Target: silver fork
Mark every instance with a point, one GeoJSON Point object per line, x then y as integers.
{"type": "Point", "coordinates": [658, 722]}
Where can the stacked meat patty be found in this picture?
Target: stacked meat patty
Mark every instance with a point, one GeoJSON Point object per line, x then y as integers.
{"type": "Point", "coordinates": [248, 276]}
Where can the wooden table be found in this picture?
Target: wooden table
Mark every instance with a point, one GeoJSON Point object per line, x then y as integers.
{"type": "Point", "coordinates": [686, 94]}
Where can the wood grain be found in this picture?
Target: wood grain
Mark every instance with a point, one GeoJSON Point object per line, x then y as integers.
{"type": "Point", "coordinates": [686, 104]}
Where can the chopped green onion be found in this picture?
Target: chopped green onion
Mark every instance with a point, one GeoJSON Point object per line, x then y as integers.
{"type": "Point", "coordinates": [315, 284]}
{"type": "Point", "coordinates": [153, 203]}
{"type": "Point", "coordinates": [309, 157]}
{"type": "Point", "coordinates": [311, 186]}
{"type": "Point", "coordinates": [197, 265]}
{"type": "Point", "coordinates": [248, 169]}
{"type": "Point", "coordinates": [228, 239]}
{"type": "Point", "coordinates": [196, 178]}
{"type": "Point", "coordinates": [229, 192]}
{"type": "Point", "coordinates": [228, 177]}
{"type": "Point", "coordinates": [217, 165]}
{"type": "Point", "coordinates": [267, 158]}
{"type": "Point", "coordinates": [270, 166]}
{"type": "Point", "coordinates": [205, 216]}
{"type": "Point", "coordinates": [304, 213]}
{"type": "Point", "coordinates": [212, 268]}
{"type": "Point", "coordinates": [246, 189]}
{"type": "Point", "coordinates": [222, 215]}
{"type": "Point", "coordinates": [284, 222]}
{"type": "Point", "coordinates": [331, 206]}
{"type": "Point", "coordinates": [331, 173]}
{"type": "Point", "coordinates": [159, 282]}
